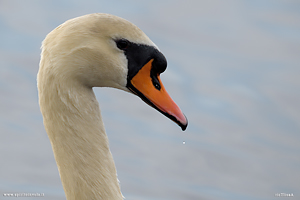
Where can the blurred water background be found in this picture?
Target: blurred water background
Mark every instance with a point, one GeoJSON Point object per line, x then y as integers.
{"type": "Point", "coordinates": [233, 68]}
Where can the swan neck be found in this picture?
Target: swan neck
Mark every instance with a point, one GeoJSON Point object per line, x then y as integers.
{"type": "Point", "coordinates": [74, 125]}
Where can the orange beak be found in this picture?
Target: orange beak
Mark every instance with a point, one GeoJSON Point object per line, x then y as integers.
{"type": "Point", "coordinates": [156, 97]}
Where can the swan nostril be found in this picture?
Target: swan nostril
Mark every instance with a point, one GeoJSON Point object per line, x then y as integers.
{"type": "Point", "coordinates": [157, 86]}
{"type": "Point", "coordinates": [156, 83]}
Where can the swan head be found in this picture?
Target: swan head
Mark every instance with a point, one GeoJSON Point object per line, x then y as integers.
{"type": "Point", "coordinates": [102, 50]}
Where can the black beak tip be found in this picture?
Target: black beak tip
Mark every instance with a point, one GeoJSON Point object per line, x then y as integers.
{"type": "Point", "coordinates": [183, 126]}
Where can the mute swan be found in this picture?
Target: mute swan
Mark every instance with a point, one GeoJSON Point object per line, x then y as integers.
{"type": "Point", "coordinates": [95, 50]}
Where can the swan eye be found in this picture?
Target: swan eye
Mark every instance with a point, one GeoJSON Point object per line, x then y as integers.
{"type": "Point", "coordinates": [122, 44]}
